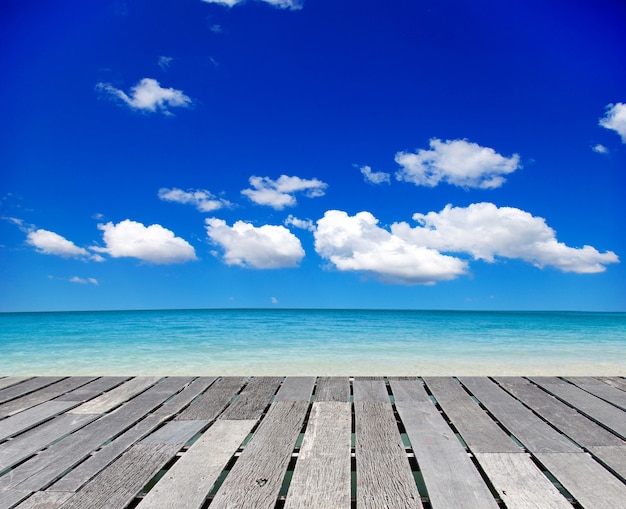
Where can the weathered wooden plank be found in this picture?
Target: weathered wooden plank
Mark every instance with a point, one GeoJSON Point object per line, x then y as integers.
{"type": "Point", "coordinates": [189, 481]}
{"type": "Point", "coordinates": [94, 389]}
{"type": "Point", "coordinates": [30, 442]}
{"type": "Point", "coordinates": [322, 475]}
{"type": "Point", "coordinates": [111, 451]}
{"type": "Point", "coordinates": [253, 400]}
{"type": "Point", "coordinates": [478, 430]}
{"type": "Point", "coordinates": [8, 498]}
{"type": "Point", "coordinates": [256, 478]}
{"type": "Point", "coordinates": [575, 425]}
{"type": "Point", "coordinates": [519, 483]}
{"type": "Point", "coordinates": [333, 388]}
{"type": "Point", "coordinates": [296, 388]}
{"type": "Point", "coordinates": [42, 395]}
{"type": "Point", "coordinates": [450, 476]}
{"type": "Point", "coordinates": [43, 469]}
{"type": "Point", "coordinates": [175, 432]}
{"type": "Point", "coordinates": [15, 391]}
{"type": "Point", "coordinates": [8, 381]}
{"type": "Point", "coordinates": [370, 389]}
{"type": "Point", "coordinates": [383, 473]}
{"type": "Point", "coordinates": [590, 405]}
{"type": "Point", "coordinates": [32, 417]}
{"type": "Point", "coordinates": [44, 500]}
{"type": "Point", "coordinates": [117, 396]}
{"type": "Point", "coordinates": [604, 391]}
{"type": "Point", "coordinates": [529, 429]}
{"type": "Point", "coordinates": [587, 481]}
{"type": "Point", "coordinates": [613, 457]}
{"type": "Point", "coordinates": [614, 381]}
{"type": "Point", "coordinates": [208, 405]}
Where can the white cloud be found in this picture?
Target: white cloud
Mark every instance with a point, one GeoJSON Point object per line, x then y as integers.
{"type": "Point", "coordinates": [600, 149]}
{"type": "Point", "coordinates": [282, 4]}
{"type": "Point", "coordinates": [357, 243]}
{"type": "Point", "coordinates": [51, 243]}
{"type": "Point", "coordinates": [486, 231]}
{"type": "Point", "coordinates": [278, 194]}
{"type": "Point", "coordinates": [148, 95]}
{"type": "Point", "coordinates": [303, 224]}
{"type": "Point", "coordinates": [263, 247]}
{"type": "Point", "coordinates": [457, 162]}
{"type": "Point", "coordinates": [202, 199]}
{"type": "Point", "coordinates": [153, 243]}
{"type": "Point", "coordinates": [375, 177]}
{"type": "Point", "coordinates": [84, 281]}
{"type": "Point", "coordinates": [165, 62]}
{"type": "Point", "coordinates": [274, 300]}
{"type": "Point", "coordinates": [615, 119]}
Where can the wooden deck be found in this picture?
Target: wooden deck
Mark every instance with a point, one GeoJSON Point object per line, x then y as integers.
{"type": "Point", "coordinates": [307, 442]}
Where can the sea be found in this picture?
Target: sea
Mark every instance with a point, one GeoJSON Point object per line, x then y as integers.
{"type": "Point", "coordinates": [290, 342]}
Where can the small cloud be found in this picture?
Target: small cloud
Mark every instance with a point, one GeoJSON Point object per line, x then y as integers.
{"type": "Point", "coordinates": [216, 29]}
{"type": "Point", "coordinates": [165, 62]}
{"type": "Point", "coordinates": [274, 300]}
{"type": "Point", "coordinates": [600, 149]}
{"type": "Point", "coordinates": [303, 224]}
{"type": "Point", "coordinates": [615, 119]}
{"type": "Point", "coordinates": [148, 95]}
{"type": "Point", "coordinates": [281, 4]}
{"type": "Point", "coordinates": [153, 244]}
{"type": "Point", "coordinates": [202, 199]}
{"type": "Point", "coordinates": [279, 194]}
{"type": "Point", "coordinates": [263, 247]}
{"type": "Point", "coordinates": [375, 177]}
{"type": "Point", "coordinates": [457, 162]}
{"type": "Point", "coordinates": [84, 281]}
{"type": "Point", "coordinates": [51, 243]}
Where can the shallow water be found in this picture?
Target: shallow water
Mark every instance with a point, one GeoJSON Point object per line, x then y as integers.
{"type": "Point", "coordinates": [321, 342]}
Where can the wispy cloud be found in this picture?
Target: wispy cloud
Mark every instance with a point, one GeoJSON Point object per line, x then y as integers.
{"type": "Point", "coordinates": [457, 162]}
{"type": "Point", "coordinates": [263, 247]}
{"type": "Point", "coordinates": [203, 200]}
{"type": "Point", "coordinates": [164, 62]}
{"type": "Point", "coordinates": [281, 4]}
{"type": "Point", "coordinates": [148, 95]}
{"type": "Point", "coordinates": [279, 194]}
{"type": "Point", "coordinates": [615, 119]}
{"type": "Point", "coordinates": [153, 244]}
{"type": "Point", "coordinates": [375, 177]}
{"type": "Point", "coordinates": [600, 149]}
{"type": "Point", "coordinates": [84, 281]}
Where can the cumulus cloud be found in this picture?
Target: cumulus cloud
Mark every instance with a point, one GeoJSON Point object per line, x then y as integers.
{"type": "Point", "coordinates": [303, 224]}
{"type": "Point", "coordinates": [202, 199]}
{"type": "Point", "coordinates": [263, 247]}
{"type": "Point", "coordinates": [281, 4]}
{"type": "Point", "coordinates": [279, 194]}
{"type": "Point", "coordinates": [375, 177]}
{"type": "Point", "coordinates": [51, 243]}
{"type": "Point", "coordinates": [153, 243]}
{"type": "Point", "coordinates": [615, 119]}
{"type": "Point", "coordinates": [148, 95]}
{"type": "Point", "coordinates": [486, 231]}
{"type": "Point", "coordinates": [357, 243]}
{"type": "Point", "coordinates": [457, 162]}
{"type": "Point", "coordinates": [600, 149]}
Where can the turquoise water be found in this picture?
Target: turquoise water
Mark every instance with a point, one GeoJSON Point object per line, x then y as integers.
{"type": "Point", "coordinates": [322, 342]}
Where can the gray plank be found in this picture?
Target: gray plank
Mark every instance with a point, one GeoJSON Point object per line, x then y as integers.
{"type": "Point", "coordinates": [519, 483]}
{"type": "Point", "coordinates": [529, 429]}
{"type": "Point", "coordinates": [256, 478]}
{"type": "Point", "coordinates": [8, 381]}
{"type": "Point", "coordinates": [590, 405]}
{"type": "Point", "coordinates": [189, 481]}
{"type": "Point", "coordinates": [94, 389]}
{"type": "Point", "coordinates": [450, 476]}
{"type": "Point", "coordinates": [384, 477]}
{"type": "Point", "coordinates": [321, 478]}
{"type": "Point", "coordinates": [117, 396]}
{"type": "Point", "coordinates": [614, 457]}
{"type": "Point", "coordinates": [32, 417]}
{"type": "Point", "coordinates": [44, 500]}
{"type": "Point", "coordinates": [332, 388]}
{"type": "Point", "coordinates": [614, 381]}
{"type": "Point", "coordinates": [478, 430]}
{"type": "Point", "coordinates": [296, 388]}
{"type": "Point", "coordinates": [45, 468]}
{"type": "Point", "coordinates": [8, 498]}
{"type": "Point", "coordinates": [370, 389]}
{"type": "Point", "coordinates": [604, 391]}
{"type": "Point", "coordinates": [409, 389]}
{"type": "Point", "coordinates": [111, 451]}
{"type": "Point", "coordinates": [208, 405]}
{"type": "Point", "coordinates": [15, 391]}
{"type": "Point", "coordinates": [42, 395]}
{"type": "Point", "coordinates": [175, 432]}
{"type": "Point", "coordinates": [589, 483]}
{"type": "Point", "coordinates": [253, 400]}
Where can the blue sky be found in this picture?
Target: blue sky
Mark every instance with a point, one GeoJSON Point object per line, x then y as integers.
{"type": "Point", "coordinates": [316, 153]}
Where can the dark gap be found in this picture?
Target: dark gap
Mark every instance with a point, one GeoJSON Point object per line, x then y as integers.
{"type": "Point", "coordinates": [554, 481]}
{"type": "Point", "coordinates": [419, 479]}
{"type": "Point", "coordinates": [487, 481]}
{"type": "Point", "coordinates": [353, 475]}
{"type": "Point", "coordinates": [150, 484]}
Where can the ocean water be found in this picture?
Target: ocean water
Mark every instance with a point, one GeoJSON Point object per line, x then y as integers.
{"type": "Point", "coordinates": [320, 342]}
